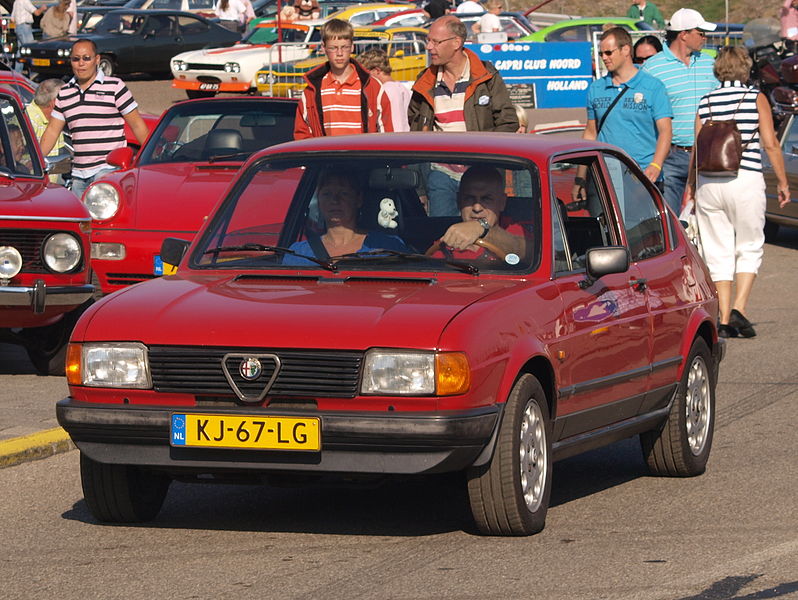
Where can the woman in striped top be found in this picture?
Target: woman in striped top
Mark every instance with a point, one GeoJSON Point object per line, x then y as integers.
{"type": "Point", "coordinates": [731, 210]}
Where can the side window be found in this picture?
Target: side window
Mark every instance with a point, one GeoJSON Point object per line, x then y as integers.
{"type": "Point", "coordinates": [641, 218]}
{"type": "Point", "coordinates": [191, 26]}
{"type": "Point", "coordinates": [561, 262]}
{"type": "Point", "coordinates": [583, 211]}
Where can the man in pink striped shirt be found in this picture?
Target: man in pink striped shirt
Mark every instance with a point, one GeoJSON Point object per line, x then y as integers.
{"type": "Point", "coordinates": [94, 108]}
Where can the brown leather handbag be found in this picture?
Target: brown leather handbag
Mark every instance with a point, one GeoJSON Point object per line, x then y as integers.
{"type": "Point", "coordinates": [719, 147]}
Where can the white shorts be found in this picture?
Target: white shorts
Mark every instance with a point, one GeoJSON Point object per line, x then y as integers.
{"type": "Point", "coordinates": [731, 221]}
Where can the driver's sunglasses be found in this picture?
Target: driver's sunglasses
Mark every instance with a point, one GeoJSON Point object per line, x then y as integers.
{"type": "Point", "coordinates": [75, 59]}
{"type": "Point", "coordinates": [639, 61]}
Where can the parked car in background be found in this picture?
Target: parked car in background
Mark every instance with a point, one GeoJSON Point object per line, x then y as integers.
{"type": "Point", "coordinates": [582, 30]}
{"type": "Point", "coordinates": [132, 41]}
{"type": "Point", "coordinates": [515, 25]}
{"type": "Point", "coordinates": [775, 216]}
{"type": "Point", "coordinates": [45, 280]}
{"type": "Point", "coordinates": [406, 48]}
{"type": "Point", "coordinates": [264, 360]}
{"type": "Point", "coordinates": [175, 181]}
{"type": "Point", "coordinates": [360, 15]}
{"type": "Point", "coordinates": [205, 72]}
{"type": "Point", "coordinates": [412, 17]}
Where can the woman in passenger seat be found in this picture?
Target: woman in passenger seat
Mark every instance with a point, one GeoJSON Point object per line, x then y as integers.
{"type": "Point", "coordinates": [340, 199]}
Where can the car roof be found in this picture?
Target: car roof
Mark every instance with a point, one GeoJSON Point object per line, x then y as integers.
{"type": "Point", "coordinates": [534, 146]}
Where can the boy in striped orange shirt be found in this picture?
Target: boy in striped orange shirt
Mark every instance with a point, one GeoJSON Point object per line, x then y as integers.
{"type": "Point", "coordinates": [341, 97]}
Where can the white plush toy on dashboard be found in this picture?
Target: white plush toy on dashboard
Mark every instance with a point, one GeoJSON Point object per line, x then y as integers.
{"type": "Point", "coordinates": [387, 213]}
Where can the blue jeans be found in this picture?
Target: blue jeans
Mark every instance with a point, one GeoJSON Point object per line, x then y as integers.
{"type": "Point", "coordinates": [675, 169]}
{"type": "Point", "coordinates": [442, 194]}
{"type": "Point", "coordinates": [79, 184]}
{"type": "Point", "coordinates": [24, 37]}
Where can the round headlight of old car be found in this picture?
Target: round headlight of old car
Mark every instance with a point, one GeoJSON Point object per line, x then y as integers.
{"type": "Point", "coordinates": [10, 262]}
{"type": "Point", "coordinates": [63, 52]}
{"type": "Point", "coordinates": [232, 67]}
{"type": "Point", "coordinates": [102, 200]}
{"type": "Point", "coordinates": [178, 65]}
{"type": "Point", "coordinates": [62, 252]}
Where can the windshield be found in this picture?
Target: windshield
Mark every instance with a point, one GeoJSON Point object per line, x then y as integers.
{"type": "Point", "coordinates": [219, 130]}
{"type": "Point", "coordinates": [386, 213]}
{"type": "Point", "coordinates": [17, 153]}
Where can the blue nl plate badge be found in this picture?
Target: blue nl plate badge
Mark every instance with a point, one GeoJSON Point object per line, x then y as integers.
{"type": "Point", "coordinates": [178, 430]}
{"type": "Point", "coordinates": [157, 265]}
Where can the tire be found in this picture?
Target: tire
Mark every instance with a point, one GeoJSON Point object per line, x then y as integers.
{"type": "Point", "coordinates": [122, 493]}
{"type": "Point", "coordinates": [46, 346]}
{"type": "Point", "coordinates": [680, 447]}
{"type": "Point", "coordinates": [192, 94]}
{"type": "Point", "coordinates": [510, 494]}
{"type": "Point", "coordinates": [106, 65]}
{"type": "Point", "coordinates": [771, 231]}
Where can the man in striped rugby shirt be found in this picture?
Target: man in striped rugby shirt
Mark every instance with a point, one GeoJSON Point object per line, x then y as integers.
{"type": "Point", "coordinates": [94, 109]}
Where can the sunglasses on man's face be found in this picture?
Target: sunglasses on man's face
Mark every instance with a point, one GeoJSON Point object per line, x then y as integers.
{"type": "Point", "coordinates": [75, 59]}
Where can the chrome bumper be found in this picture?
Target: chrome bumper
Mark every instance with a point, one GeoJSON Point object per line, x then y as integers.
{"type": "Point", "coordinates": [40, 296]}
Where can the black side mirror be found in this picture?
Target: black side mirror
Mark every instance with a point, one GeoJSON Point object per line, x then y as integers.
{"type": "Point", "coordinates": [604, 261]}
{"type": "Point", "coordinates": [172, 252]}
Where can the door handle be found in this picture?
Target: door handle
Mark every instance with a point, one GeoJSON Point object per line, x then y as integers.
{"type": "Point", "coordinates": [639, 285]}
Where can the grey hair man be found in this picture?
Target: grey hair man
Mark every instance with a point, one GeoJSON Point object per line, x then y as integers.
{"type": "Point", "coordinates": [39, 112]}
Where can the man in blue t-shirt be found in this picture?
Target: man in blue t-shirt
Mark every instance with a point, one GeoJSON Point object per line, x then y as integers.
{"type": "Point", "coordinates": [628, 108]}
{"type": "Point", "coordinates": [688, 75]}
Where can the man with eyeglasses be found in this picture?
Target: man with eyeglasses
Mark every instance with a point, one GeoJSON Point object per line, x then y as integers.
{"type": "Point", "coordinates": [340, 97]}
{"type": "Point", "coordinates": [687, 75]}
{"type": "Point", "coordinates": [94, 108]}
{"type": "Point", "coordinates": [631, 107]}
{"type": "Point", "coordinates": [457, 92]}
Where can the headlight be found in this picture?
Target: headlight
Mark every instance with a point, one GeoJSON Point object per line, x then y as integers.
{"type": "Point", "coordinates": [178, 65]}
{"type": "Point", "coordinates": [62, 252]}
{"type": "Point", "coordinates": [408, 373]}
{"type": "Point", "coordinates": [232, 67]}
{"type": "Point", "coordinates": [110, 364]}
{"type": "Point", "coordinates": [63, 52]}
{"type": "Point", "coordinates": [102, 200]}
{"type": "Point", "coordinates": [10, 262]}
{"type": "Point", "coordinates": [261, 79]}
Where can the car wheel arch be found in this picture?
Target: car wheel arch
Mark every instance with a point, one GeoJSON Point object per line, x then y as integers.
{"type": "Point", "coordinates": [701, 325]}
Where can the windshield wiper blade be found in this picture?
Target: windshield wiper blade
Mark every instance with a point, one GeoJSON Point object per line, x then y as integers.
{"type": "Point", "coordinates": [383, 254]}
{"type": "Point", "coordinates": [278, 249]}
{"type": "Point", "coordinates": [217, 157]}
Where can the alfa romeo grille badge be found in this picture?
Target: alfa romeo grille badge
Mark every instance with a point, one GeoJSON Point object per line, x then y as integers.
{"type": "Point", "coordinates": [250, 368]}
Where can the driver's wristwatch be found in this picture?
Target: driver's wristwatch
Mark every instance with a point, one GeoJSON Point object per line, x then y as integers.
{"type": "Point", "coordinates": [485, 227]}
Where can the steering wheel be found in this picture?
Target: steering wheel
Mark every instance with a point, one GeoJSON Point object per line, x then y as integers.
{"type": "Point", "coordinates": [490, 247]}
{"type": "Point", "coordinates": [169, 149]}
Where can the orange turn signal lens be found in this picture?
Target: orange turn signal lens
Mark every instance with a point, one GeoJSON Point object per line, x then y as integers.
{"type": "Point", "coordinates": [73, 372]}
{"type": "Point", "coordinates": [453, 373]}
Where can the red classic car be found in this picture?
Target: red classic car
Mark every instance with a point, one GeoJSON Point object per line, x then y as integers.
{"type": "Point", "coordinates": [173, 183]}
{"type": "Point", "coordinates": [44, 247]}
{"type": "Point", "coordinates": [352, 335]}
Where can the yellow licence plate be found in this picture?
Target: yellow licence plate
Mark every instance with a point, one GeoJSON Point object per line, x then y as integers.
{"type": "Point", "coordinates": [247, 432]}
{"type": "Point", "coordinates": [41, 62]}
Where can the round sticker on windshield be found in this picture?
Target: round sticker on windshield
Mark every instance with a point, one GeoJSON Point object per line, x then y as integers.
{"type": "Point", "coordinates": [512, 259]}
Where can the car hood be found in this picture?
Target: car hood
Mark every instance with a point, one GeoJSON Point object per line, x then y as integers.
{"type": "Point", "coordinates": [267, 311]}
{"type": "Point", "coordinates": [193, 192]}
{"type": "Point", "coordinates": [28, 199]}
{"type": "Point", "coordinates": [254, 55]}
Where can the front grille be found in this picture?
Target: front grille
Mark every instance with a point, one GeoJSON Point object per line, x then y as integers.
{"type": "Point", "coordinates": [204, 67]}
{"type": "Point", "coordinates": [29, 243]}
{"type": "Point", "coordinates": [312, 373]}
{"type": "Point", "coordinates": [128, 278]}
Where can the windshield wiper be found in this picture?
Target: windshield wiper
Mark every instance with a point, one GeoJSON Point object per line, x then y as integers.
{"type": "Point", "coordinates": [278, 249]}
{"type": "Point", "coordinates": [216, 157]}
{"type": "Point", "coordinates": [383, 254]}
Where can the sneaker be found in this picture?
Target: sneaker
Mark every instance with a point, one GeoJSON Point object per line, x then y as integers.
{"type": "Point", "coordinates": [741, 324]}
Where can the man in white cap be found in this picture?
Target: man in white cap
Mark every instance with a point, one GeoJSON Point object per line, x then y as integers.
{"type": "Point", "coordinates": [687, 75]}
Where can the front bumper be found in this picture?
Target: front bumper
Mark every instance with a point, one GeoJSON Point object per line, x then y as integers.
{"type": "Point", "coordinates": [373, 443]}
{"type": "Point", "coordinates": [39, 296]}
